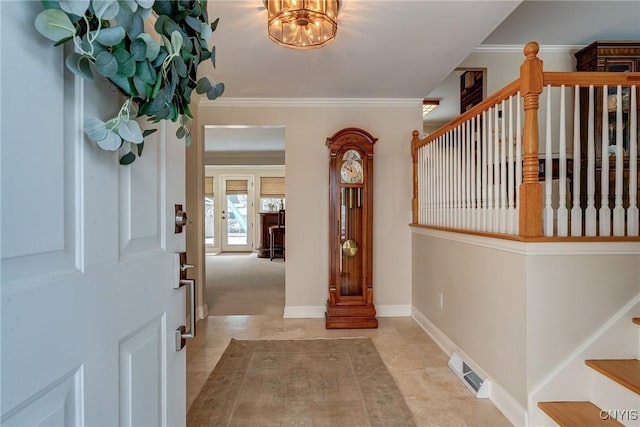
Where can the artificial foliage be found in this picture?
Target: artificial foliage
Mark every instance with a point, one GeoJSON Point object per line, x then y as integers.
{"type": "Point", "coordinates": [156, 73]}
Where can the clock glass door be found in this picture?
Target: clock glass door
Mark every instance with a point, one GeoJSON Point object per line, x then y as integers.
{"type": "Point", "coordinates": [350, 281]}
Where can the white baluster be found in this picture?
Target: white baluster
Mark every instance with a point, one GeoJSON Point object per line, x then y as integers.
{"type": "Point", "coordinates": [442, 186]}
{"type": "Point", "coordinates": [496, 169]}
{"type": "Point", "coordinates": [450, 179]}
{"type": "Point", "coordinates": [463, 172]}
{"type": "Point", "coordinates": [422, 203]}
{"type": "Point", "coordinates": [420, 185]}
{"type": "Point", "coordinates": [425, 198]}
{"type": "Point", "coordinates": [434, 178]}
{"type": "Point", "coordinates": [467, 196]}
{"type": "Point", "coordinates": [457, 170]}
{"type": "Point", "coordinates": [490, 172]}
{"type": "Point", "coordinates": [462, 175]}
{"type": "Point", "coordinates": [632, 210]}
{"type": "Point", "coordinates": [474, 178]}
{"type": "Point", "coordinates": [431, 181]}
{"type": "Point", "coordinates": [605, 212]}
{"type": "Point", "coordinates": [576, 211]}
{"type": "Point", "coordinates": [448, 192]}
{"type": "Point", "coordinates": [548, 171]}
{"type": "Point", "coordinates": [503, 171]}
{"type": "Point", "coordinates": [563, 220]}
{"type": "Point", "coordinates": [618, 210]}
{"type": "Point", "coordinates": [510, 181]}
{"type": "Point", "coordinates": [518, 160]}
{"type": "Point", "coordinates": [439, 181]}
{"type": "Point", "coordinates": [590, 212]}
{"type": "Point", "coordinates": [429, 178]}
{"type": "Point", "coordinates": [485, 177]}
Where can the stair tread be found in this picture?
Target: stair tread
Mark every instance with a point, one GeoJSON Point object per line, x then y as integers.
{"type": "Point", "coordinates": [576, 414]}
{"type": "Point", "coordinates": [623, 371]}
{"type": "Point", "coordinates": [636, 320]}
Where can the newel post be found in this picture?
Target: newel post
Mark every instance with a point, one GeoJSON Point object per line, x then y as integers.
{"type": "Point", "coordinates": [531, 83]}
{"type": "Point", "coordinates": [414, 154]}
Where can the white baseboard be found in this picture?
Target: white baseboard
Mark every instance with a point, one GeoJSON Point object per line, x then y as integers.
{"type": "Point", "coordinates": [432, 330]}
{"type": "Point", "coordinates": [304, 312]}
{"type": "Point", "coordinates": [509, 407]}
{"type": "Point", "coordinates": [202, 312]}
{"type": "Point", "coordinates": [393, 310]}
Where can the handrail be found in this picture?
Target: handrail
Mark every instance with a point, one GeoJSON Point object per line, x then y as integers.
{"type": "Point", "coordinates": [586, 78]}
{"type": "Point", "coordinates": [504, 93]}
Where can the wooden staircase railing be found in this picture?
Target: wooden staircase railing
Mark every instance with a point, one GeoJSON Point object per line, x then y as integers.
{"type": "Point", "coordinates": [481, 172]}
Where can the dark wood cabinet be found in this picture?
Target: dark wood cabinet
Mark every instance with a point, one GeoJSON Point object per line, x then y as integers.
{"type": "Point", "coordinates": [267, 219]}
{"type": "Point", "coordinates": [606, 56]}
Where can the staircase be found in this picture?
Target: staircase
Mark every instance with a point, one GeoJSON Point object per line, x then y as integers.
{"type": "Point", "coordinates": [583, 413]}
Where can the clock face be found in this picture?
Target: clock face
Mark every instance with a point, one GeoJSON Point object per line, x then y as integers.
{"type": "Point", "coordinates": [351, 171]}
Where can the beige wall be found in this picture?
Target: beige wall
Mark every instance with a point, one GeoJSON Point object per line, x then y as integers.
{"type": "Point", "coordinates": [484, 310]}
{"type": "Point", "coordinates": [519, 310]}
{"type": "Point", "coordinates": [307, 128]}
{"type": "Point", "coordinates": [504, 67]}
{"type": "Point", "coordinates": [570, 296]}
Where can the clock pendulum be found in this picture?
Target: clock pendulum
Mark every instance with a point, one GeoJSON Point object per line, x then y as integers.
{"type": "Point", "coordinates": [350, 303]}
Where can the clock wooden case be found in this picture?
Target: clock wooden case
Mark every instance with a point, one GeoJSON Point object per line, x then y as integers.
{"type": "Point", "coordinates": [350, 303]}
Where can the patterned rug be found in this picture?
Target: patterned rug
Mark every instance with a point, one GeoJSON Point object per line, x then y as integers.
{"type": "Point", "coordinates": [323, 382]}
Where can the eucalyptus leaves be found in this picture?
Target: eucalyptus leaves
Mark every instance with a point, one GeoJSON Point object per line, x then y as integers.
{"type": "Point", "coordinates": [156, 78]}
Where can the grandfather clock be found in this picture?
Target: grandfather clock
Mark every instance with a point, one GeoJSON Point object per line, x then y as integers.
{"type": "Point", "coordinates": [350, 303]}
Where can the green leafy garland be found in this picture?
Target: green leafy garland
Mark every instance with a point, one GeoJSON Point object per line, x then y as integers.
{"type": "Point", "coordinates": [156, 79]}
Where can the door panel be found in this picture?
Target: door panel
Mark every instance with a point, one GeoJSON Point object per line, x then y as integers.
{"type": "Point", "coordinates": [50, 174]}
{"type": "Point", "coordinates": [88, 250]}
{"type": "Point", "coordinates": [141, 214]}
{"type": "Point", "coordinates": [142, 376]}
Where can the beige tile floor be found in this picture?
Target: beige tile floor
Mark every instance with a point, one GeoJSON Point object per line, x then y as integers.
{"type": "Point", "coordinates": [433, 393]}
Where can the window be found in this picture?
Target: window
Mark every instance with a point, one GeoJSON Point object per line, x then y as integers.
{"type": "Point", "coordinates": [272, 193]}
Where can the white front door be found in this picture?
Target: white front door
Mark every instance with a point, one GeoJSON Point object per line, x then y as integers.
{"type": "Point", "coordinates": [236, 214]}
{"type": "Point", "coordinates": [89, 312]}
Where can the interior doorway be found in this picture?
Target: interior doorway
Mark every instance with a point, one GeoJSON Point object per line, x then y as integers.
{"type": "Point", "coordinates": [242, 163]}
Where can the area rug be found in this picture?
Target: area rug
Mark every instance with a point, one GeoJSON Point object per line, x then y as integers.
{"type": "Point", "coordinates": [321, 382]}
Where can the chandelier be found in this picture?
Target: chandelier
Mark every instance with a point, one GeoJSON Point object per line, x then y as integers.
{"type": "Point", "coordinates": [302, 24]}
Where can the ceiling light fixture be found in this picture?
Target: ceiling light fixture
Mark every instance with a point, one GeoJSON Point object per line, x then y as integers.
{"type": "Point", "coordinates": [302, 24]}
{"type": "Point", "coordinates": [428, 105]}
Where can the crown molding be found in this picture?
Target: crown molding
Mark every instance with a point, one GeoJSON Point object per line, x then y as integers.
{"type": "Point", "coordinates": [226, 168]}
{"type": "Point", "coordinates": [519, 48]}
{"type": "Point", "coordinates": [312, 102]}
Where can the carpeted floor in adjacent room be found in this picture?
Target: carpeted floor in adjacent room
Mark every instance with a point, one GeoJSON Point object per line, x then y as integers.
{"type": "Point", "coordinates": [242, 283]}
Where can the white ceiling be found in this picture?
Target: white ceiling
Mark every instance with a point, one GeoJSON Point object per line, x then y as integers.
{"type": "Point", "coordinates": [243, 138]}
{"type": "Point", "coordinates": [393, 48]}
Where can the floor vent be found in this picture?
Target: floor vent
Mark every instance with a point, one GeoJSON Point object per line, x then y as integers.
{"type": "Point", "coordinates": [475, 383]}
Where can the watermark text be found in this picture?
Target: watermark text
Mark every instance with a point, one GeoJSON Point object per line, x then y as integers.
{"type": "Point", "coordinates": [620, 414]}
